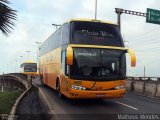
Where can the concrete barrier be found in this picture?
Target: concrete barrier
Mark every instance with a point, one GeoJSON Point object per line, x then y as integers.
{"type": "Point", "coordinates": [139, 86]}
{"type": "Point", "coordinates": [150, 89]}
{"type": "Point", "coordinates": [129, 85]}
{"type": "Point", "coordinates": [158, 90]}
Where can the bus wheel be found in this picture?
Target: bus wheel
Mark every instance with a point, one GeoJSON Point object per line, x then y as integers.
{"type": "Point", "coordinates": [60, 95]}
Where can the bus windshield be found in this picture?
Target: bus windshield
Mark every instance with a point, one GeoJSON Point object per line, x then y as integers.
{"type": "Point", "coordinates": [30, 67]}
{"type": "Point", "coordinates": [95, 33]}
{"type": "Point", "coordinates": [98, 64]}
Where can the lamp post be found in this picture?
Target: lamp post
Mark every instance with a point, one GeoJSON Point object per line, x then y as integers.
{"type": "Point", "coordinates": [144, 71]}
{"type": "Point", "coordinates": [95, 9]}
{"type": "Point", "coordinates": [21, 58]}
{"type": "Point", "coordinates": [7, 68]}
{"type": "Point", "coordinates": [56, 25]}
{"type": "Point", "coordinates": [28, 54]}
{"type": "Point", "coordinates": [38, 43]}
{"type": "Point", "coordinates": [12, 67]}
{"type": "Point", "coordinates": [16, 65]}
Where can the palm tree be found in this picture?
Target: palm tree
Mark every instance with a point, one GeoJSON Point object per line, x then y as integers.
{"type": "Point", "coordinates": [7, 15]}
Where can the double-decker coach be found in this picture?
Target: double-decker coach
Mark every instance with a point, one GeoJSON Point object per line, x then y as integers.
{"type": "Point", "coordinates": [85, 58]}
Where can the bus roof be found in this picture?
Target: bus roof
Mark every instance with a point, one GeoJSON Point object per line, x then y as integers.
{"type": "Point", "coordinates": [90, 20]}
{"type": "Point", "coordinates": [29, 61]}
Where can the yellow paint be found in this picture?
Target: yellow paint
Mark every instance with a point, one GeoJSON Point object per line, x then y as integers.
{"type": "Point", "coordinates": [69, 55]}
{"type": "Point", "coordinates": [133, 57]}
{"type": "Point", "coordinates": [97, 46]}
{"type": "Point", "coordinates": [90, 20]}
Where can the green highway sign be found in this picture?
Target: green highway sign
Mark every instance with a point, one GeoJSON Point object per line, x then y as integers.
{"type": "Point", "coordinates": [153, 16]}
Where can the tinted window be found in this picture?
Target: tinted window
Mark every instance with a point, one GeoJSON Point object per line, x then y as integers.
{"type": "Point", "coordinates": [95, 33]}
{"type": "Point", "coordinates": [65, 34]}
{"type": "Point", "coordinates": [30, 67]}
{"type": "Point", "coordinates": [98, 64]}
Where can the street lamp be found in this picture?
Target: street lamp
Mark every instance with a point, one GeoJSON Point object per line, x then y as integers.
{"type": "Point", "coordinates": [144, 71]}
{"type": "Point", "coordinates": [7, 68]}
{"type": "Point", "coordinates": [16, 65]}
{"type": "Point", "coordinates": [95, 9]}
{"type": "Point", "coordinates": [12, 67]}
{"type": "Point", "coordinates": [56, 25]}
{"type": "Point", "coordinates": [38, 43]}
{"type": "Point", "coordinates": [28, 54]}
{"type": "Point", "coordinates": [21, 58]}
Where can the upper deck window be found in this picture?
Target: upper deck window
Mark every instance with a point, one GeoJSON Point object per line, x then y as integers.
{"type": "Point", "coordinates": [95, 33]}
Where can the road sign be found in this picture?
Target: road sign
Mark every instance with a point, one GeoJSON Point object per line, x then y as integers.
{"type": "Point", "coordinates": [153, 16]}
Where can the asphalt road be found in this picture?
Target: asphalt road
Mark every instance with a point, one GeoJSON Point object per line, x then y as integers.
{"type": "Point", "coordinates": [117, 108]}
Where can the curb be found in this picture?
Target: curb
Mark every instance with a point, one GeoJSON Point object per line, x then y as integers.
{"type": "Point", "coordinates": [12, 115]}
{"type": "Point", "coordinates": [44, 98]}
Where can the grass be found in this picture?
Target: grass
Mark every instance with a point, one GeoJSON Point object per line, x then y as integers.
{"type": "Point", "coordinates": [7, 100]}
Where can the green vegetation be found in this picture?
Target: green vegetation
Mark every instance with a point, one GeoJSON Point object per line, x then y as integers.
{"type": "Point", "coordinates": [7, 100]}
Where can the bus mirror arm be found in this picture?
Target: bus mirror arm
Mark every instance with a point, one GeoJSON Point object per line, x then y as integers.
{"type": "Point", "coordinates": [133, 57]}
{"type": "Point", "coordinates": [69, 55]}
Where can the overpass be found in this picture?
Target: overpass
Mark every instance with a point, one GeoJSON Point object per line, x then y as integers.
{"type": "Point", "coordinates": [15, 81]}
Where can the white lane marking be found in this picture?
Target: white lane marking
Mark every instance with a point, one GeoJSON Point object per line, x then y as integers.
{"type": "Point", "coordinates": [126, 105]}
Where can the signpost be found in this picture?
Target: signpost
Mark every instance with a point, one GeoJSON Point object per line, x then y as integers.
{"type": "Point", "coordinates": [153, 16]}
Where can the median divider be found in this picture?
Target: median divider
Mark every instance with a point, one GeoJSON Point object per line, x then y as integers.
{"type": "Point", "coordinates": [139, 86]}
{"type": "Point", "coordinates": [158, 90]}
{"type": "Point", "coordinates": [144, 86]}
{"type": "Point", "coordinates": [150, 88]}
{"type": "Point", "coordinates": [129, 85]}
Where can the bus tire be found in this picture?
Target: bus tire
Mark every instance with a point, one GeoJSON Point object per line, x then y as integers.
{"type": "Point", "coordinates": [60, 95]}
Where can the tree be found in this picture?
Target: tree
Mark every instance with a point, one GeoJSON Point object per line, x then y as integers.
{"type": "Point", "coordinates": [7, 16]}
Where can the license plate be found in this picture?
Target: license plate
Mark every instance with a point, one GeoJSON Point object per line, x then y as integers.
{"type": "Point", "coordinates": [100, 95]}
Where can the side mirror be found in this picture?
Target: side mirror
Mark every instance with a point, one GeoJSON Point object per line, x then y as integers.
{"type": "Point", "coordinates": [133, 57]}
{"type": "Point", "coordinates": [69, 55]}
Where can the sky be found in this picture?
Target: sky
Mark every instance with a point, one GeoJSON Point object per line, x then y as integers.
{"type": "Point", "coordinates": [35, 19]}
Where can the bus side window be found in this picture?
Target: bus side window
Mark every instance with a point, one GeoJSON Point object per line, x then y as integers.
{"type": "Point", "coordinates": [63, 62]}
{"type": "Point", "coordinates": [65, 34]}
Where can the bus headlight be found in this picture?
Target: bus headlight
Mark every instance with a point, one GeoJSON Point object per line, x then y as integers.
{"type": "Point", "coordinates": [78, 87]}
{"type": "Point", "coordinates": [119, 87]}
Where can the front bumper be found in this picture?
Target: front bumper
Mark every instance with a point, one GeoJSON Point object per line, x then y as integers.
{"type": "Point", "coordinates": [87, 94]}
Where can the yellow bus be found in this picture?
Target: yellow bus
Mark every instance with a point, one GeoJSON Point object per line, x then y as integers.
{"type": "Point", "coordinates": [29, 68]}
{"type": "Point", "coordinates": [85, 59]}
